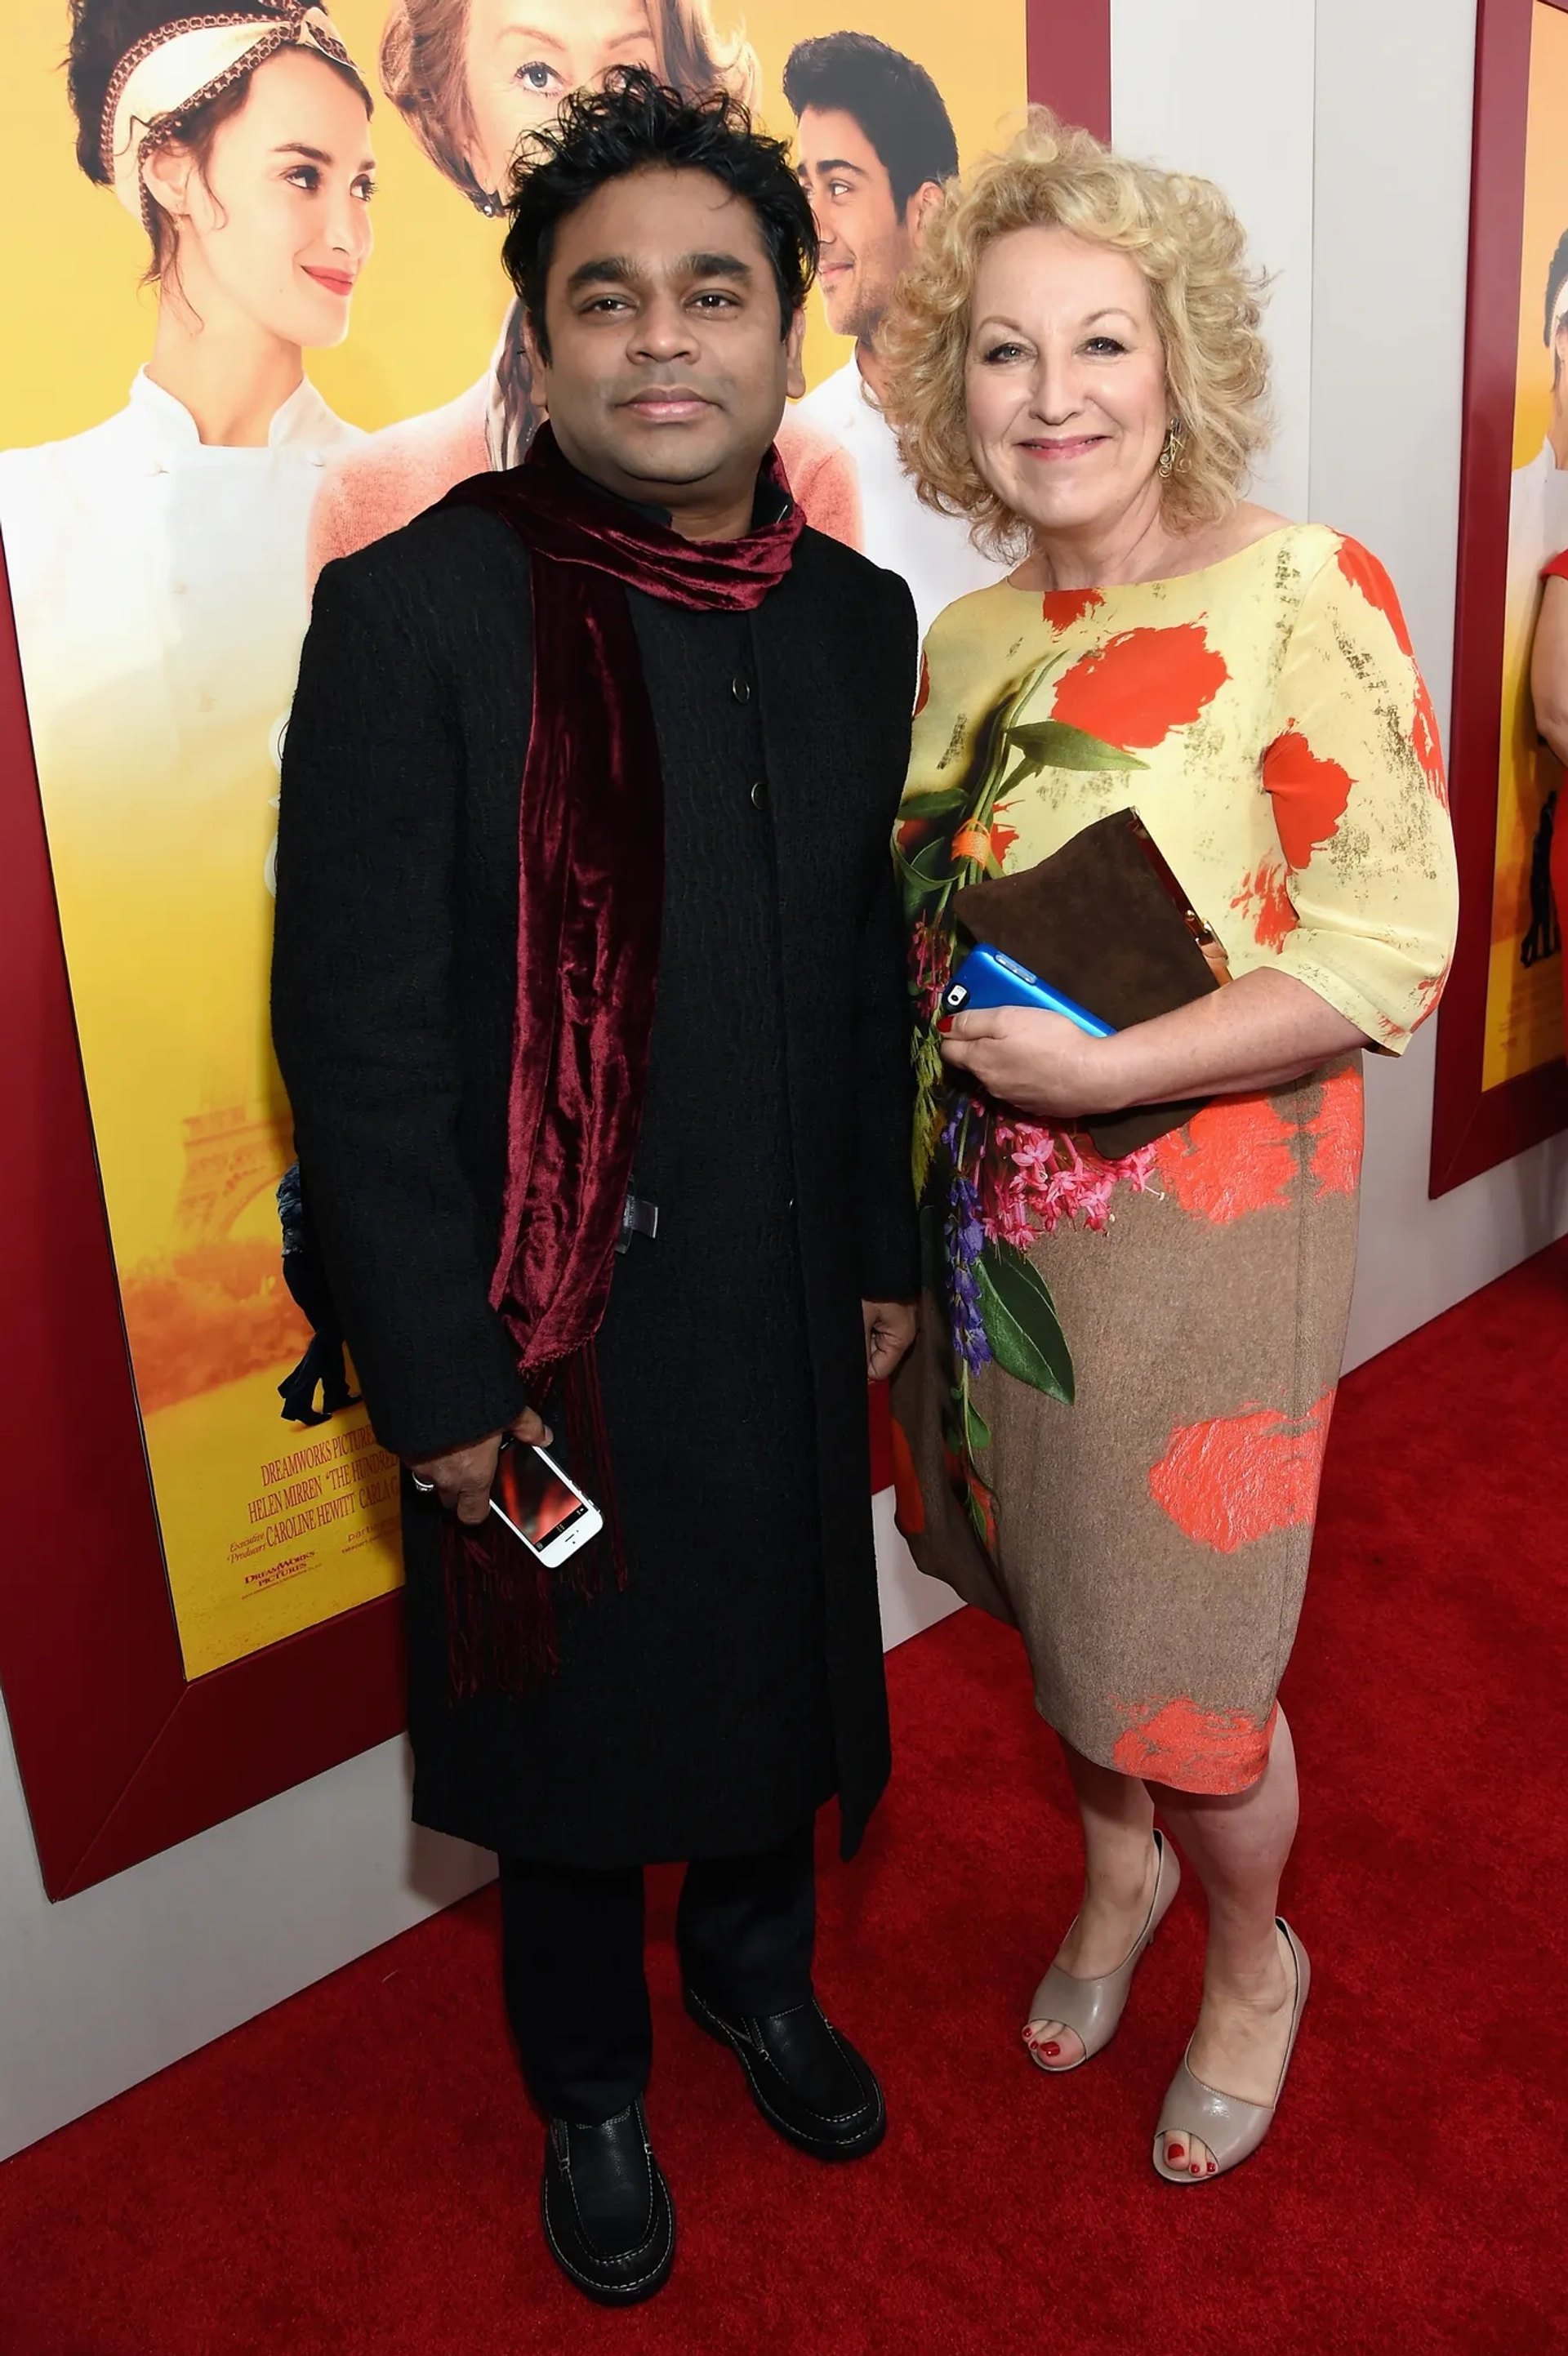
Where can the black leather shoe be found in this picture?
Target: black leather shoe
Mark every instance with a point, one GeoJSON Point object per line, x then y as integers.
{"type": "Point", "coordinates": [807, 2081]}
{"type": "Point", "coordinates": [608, 2217]}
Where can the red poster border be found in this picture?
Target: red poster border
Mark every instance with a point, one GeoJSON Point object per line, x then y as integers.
{"type": "Point", "coordinates": [1473, 1128]}
{"type": "Point", "coordinates": [120, 1756]}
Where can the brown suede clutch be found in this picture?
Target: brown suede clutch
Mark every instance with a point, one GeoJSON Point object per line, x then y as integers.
{"type": "Point", "coordinates": [1105, 919]}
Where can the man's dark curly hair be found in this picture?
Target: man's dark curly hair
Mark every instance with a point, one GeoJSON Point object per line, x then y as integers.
{"type": "Point", "coordinates": [634, 123]}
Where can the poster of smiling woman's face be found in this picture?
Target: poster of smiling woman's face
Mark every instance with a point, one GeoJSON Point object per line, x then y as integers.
{"type": "Point", "coordinates": [258, 321]}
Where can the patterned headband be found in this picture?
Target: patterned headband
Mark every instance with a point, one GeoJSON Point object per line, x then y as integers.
{"type": "Point", "coordinates": [182, 66]}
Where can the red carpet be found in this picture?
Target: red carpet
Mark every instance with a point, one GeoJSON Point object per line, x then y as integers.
{"type": "Point", "coordinates": [356, 2172]}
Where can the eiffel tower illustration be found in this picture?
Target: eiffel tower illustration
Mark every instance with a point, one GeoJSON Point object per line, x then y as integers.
{"type": "Point", "coordinates": [232, 1155]}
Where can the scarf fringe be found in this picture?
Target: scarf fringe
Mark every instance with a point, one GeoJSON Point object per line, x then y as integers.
{"type": "Point", "coordinates": [502, 1624]}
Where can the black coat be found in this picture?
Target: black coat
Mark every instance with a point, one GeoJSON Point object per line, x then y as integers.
{"type": "Point", "coordinates": [736, 1681]}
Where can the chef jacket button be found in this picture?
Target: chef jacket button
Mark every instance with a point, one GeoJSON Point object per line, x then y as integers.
{"type": "Point", "coordinates": [315, 457]}
{"type": "Point", "coordinates": [740, 688]}
{"type": "Point", "coordinates": [760, 796]}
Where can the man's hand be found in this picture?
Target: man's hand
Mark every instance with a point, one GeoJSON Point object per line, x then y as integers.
{"type": "Point", "coordinates": [462, 1478]}
{"type": "Point", "coordinates": [891, 1328]}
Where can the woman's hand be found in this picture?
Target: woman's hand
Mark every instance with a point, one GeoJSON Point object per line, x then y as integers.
{"type": "Point", "coordinates": [1041, 1063]}
{"type": "Point", "coordinates": [1262, 1031]}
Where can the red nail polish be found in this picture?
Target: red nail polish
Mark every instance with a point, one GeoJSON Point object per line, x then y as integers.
{"type": "Point", "coordinates": [1176, 2153]}
{"type": "Point", "coordinates": [1195, 2170]}
{"type": "Point", "coordinates": [944, 1023]}
{"type": "Point", "coordinates": [1051, 2050]}
{"type": "Point", "coordinates": [1211, 2167]}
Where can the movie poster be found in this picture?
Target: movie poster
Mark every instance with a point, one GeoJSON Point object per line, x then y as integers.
{"type": "Point", "coordinates": [1524, 1026]}
{"type": "Point", "coordinates": [332, 349]}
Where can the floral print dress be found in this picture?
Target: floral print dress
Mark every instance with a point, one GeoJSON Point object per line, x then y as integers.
{"type": "Point", "coordinates": [1112, 1427]}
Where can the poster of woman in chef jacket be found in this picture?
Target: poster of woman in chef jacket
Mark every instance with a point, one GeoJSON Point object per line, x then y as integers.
{"type": "Point", "coordinates": [157, 570]}
{"type": "Point", "coordinates": [209, 180]}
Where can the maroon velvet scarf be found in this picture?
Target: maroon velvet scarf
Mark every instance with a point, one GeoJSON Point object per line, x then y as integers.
{"type": "Point", "coordinates": [590, 909]}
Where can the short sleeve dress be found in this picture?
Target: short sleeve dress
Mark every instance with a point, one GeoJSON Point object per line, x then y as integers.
{"type": "Point", "coordinates": [1112, 1427]}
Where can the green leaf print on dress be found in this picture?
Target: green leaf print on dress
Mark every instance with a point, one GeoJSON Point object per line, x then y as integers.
{"type": "Point", "coordinates": [986, 1181]}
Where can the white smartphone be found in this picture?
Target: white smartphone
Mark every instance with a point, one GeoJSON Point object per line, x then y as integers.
{"type": "Point", "coordinates": [533, 1498]}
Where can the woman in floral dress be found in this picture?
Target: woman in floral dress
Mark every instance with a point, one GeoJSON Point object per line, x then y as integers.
{"type": "Point", "coordinates": [1112, 1430]}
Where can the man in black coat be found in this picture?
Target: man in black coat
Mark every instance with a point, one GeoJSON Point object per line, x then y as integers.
{"type": "Point", "coordinates": [704, 1705]}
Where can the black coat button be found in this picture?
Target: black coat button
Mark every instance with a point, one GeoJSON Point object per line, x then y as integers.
{"type": "Point", "coordinates": [760, 796]}
{"type": "Point", "coordinates": [740, 688]}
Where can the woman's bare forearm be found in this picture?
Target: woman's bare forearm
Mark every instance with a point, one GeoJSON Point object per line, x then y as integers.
{"type": "Point", "coordinates": [1261, 1031]}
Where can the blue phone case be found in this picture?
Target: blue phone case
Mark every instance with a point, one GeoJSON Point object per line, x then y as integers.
{"type": "Point", "coordinates": [986, 978]}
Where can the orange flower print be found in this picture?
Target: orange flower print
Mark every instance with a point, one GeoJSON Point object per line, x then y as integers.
{"type": "Point", "coordinates": [1264, 898]}
{"type": "Point", "coordinates": [1429, 991]}
{"type": "Point", "coordinates": [1336, 1134]}
{"type": "Point", "coordinates": [1234, 1478]}
{"type": "Point", "coordinates": [923, 696]}
{"type": "Point", "coordinates": [1362, 567]}
{"type": "Point", "coordinates": [973, 841]}
{"type": "Point", "coordinates": [1362, 570]}
{"type": "Point", "coordinates": [1428, 747]}
{"type": "Point", "coordinates": [1309, 795]}
{"type": "Point", "coordinates": [1136, 688]}
{"type": "Point", "coordinates": [1063, 608]}
{"type": "Point", "coordinates": [908, 1505]}
{"type": "Point", "coordinates": [1235, 1156]}
{"type": "Point", "coordinates": [1174, 1742]}
{"type": "Point", "coordinates": [984, 1504]}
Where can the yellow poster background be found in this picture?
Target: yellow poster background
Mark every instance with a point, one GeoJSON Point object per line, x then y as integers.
{"type": "Point", "coordinates": [161, 854]}
{"type": "Point", "coordinates": [1524, 1025]}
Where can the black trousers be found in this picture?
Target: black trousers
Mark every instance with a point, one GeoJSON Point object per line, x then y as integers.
{"type": "Point", "coordinates": [577, 1992]}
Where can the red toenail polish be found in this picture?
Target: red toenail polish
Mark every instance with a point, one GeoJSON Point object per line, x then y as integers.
{"type": "Point", "coordinates": [1050, 2052]}
{"type": "Point", "coordinates": [1211, 2167]}
{"type": "Point", "coordinates": [1175, 2152]}
{"type": "Point", "coordinates": [1195, 2170]}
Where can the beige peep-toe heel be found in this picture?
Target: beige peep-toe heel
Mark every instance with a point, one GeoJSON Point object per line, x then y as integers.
{"type": "Point", "coordinates": [1231, 2129]}
{"type": "Point", "coordinates": [1092, 2009]}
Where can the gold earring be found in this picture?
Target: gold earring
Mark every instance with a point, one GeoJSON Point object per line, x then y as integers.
{"type": "Point", "coordinates": [1169, 448]}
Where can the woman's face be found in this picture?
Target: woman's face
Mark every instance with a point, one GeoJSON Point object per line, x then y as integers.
{"type": "Point", "coordinates": [525, 55]}
{"type": "Point", "coordinates": [1065, 379]}
{"type": "Point", "coordinates": [277, 227]}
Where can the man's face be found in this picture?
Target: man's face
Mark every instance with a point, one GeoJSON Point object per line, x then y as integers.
{"type": "Point", "coordinates": [866, 240]}
{"type": "Point", "coordinates": [668, 372]}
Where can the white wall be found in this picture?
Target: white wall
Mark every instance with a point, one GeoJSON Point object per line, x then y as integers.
{"type": "Point", "coordinates": [1223, 88]}
{"type": "Point", "coordinates": [1341, 130]}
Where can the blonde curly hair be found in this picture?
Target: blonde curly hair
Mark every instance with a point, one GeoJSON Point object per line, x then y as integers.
{"type": "Point", "coordinates": [1207, 303]}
